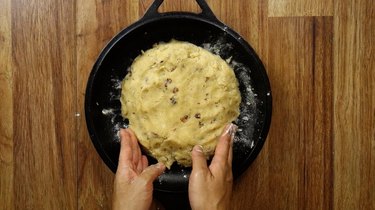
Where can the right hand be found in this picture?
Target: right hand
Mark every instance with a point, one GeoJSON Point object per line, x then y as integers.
{"type": "Point", "coordinates": [210, 187]}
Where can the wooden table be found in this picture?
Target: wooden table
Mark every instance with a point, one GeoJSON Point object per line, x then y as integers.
{"type": "Point", "coordinates": [319, 55]}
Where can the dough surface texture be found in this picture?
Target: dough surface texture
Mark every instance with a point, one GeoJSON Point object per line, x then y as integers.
{"type": "Point", "coordinates": [178, 95]}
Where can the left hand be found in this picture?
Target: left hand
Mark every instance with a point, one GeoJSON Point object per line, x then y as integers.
{"type": "Point", "coordinates": [133, 182]}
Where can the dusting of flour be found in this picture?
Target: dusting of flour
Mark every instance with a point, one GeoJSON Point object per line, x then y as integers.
{"type": "Point", "coordinates": [246, 121]}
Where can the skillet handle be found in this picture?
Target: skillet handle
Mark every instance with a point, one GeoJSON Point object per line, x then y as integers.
{"type": "Point", "coordinates": [206, 10]}
{"type": "Point", "coordinates": [152, 11]}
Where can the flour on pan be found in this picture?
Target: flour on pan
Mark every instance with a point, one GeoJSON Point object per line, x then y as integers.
{"type": "Point", "coordinates": [248, 115]}
{"type": "Point", "coordinates": [114, 113]}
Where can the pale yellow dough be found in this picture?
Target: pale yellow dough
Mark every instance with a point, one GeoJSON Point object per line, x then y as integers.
{"type": "Point", "coordinates": [178, 95]}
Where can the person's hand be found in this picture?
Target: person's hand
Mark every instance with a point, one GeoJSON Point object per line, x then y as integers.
{"type": "Point", "coordinates": [133, 182]}
{"type": "Point", "coordinates": [210, 187]}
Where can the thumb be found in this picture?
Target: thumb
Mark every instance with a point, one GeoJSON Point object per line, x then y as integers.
{"type": "Point", "coordinates": [152, 172]}
{"type": "Point", "coordinates": [199, 159]}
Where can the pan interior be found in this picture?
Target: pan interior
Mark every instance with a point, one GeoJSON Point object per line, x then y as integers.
{"type": "Point", "coordinates": [103, 107]}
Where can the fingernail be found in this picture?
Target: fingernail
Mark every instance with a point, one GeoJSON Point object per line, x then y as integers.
{"type": "Point", "coordinates": [226, 130]}
{"type": "Point", "coordinates": [198, 148]}
{"type": "Point", "coordinates": [159, 165]}
{"type": "Point", "coordinates": [230, 130]}
{"type": "Point", "coordinates": [233, 131]}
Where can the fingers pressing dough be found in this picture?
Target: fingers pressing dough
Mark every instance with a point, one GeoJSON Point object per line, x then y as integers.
{"type": "Point", "coordinates": [178, 95]}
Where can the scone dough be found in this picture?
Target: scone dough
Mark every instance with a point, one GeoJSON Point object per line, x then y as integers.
{"type": "Point", "coordinates": [178, 95]}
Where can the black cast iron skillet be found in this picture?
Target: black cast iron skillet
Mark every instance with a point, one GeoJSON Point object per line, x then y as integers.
{"type": "Point", "coordinates": [102, 105]}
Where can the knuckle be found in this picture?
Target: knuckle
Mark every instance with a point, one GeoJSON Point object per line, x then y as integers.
{"type": "Point", "coordinates": [198, 173]}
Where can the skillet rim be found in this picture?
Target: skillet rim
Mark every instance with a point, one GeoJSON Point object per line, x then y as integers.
{"type": "Point", "coordinates": [179, 15]}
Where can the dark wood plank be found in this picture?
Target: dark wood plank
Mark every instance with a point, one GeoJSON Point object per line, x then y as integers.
{"type": "Point", "coordinates": [44, 85]}
{"type": "Point", "coordinates": [300, 139]}
{"type": "Point", "coordinates": [318, 169]}
{"type": "Point", "coordinates": [354, 103]}
{"type": "Point", "coordinates": [251, 190]}
{"type": "Point", "coordinates": [6, 108]}
{"type": "Point", "coordinates": [98, 22]}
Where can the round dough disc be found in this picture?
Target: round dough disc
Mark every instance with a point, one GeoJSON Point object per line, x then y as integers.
{"type": "Point", "coordinates": [178, 95]}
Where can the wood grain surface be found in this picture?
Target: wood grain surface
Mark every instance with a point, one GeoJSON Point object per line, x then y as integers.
{"type": "Point", "coordinates": [319, 56]}
{"type": "Point", "coordinates": [354, 104]}
{"type": "Point", "coordinates": [6, 108]}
